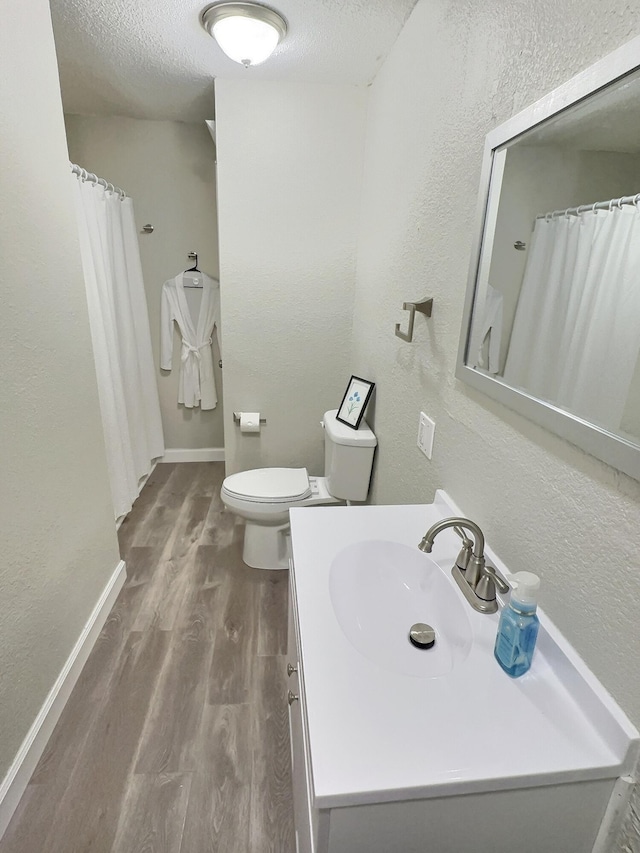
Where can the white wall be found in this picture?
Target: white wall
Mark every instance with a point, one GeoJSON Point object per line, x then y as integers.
{"type": "Point", "coordinates": [289, 184]}
{"type": "Point", "coordinates": [456, 71]}
{"type": "Point", "coordinates": [168, 169]}
{"type": "Point", "coordinates": [59, 546]}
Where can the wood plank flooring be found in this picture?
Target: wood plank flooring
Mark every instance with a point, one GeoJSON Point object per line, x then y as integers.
{"type": "Point", "coordinates": [175, 738]}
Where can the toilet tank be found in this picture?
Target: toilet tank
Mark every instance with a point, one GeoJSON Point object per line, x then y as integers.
{"type": "Point", "coordinates": [348, 458]}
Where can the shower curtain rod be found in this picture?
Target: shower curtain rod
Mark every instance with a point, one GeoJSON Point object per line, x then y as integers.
{"type": "Point", "coordinates": [89, 176]}
{"type": "Point", "coordinates": [599, 205]}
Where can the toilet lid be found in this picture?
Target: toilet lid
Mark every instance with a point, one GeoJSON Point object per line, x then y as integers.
{"type": "Point", "coordinates": [269, 485]}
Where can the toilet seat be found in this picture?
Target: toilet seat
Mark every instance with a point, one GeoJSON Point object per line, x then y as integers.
{"type": "Point", "coordinates": [269, 485]}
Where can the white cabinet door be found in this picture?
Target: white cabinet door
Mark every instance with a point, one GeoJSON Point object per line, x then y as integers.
{"type": "Point", "coordinates": [299, 779]}
{"type": "Point", "coordinates": [304, 841]}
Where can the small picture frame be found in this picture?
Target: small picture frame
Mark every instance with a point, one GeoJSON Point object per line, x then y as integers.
{"type": "Point", "coordinates": [355, 401]}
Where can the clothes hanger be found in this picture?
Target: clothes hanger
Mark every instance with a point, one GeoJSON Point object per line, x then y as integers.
{"type": "Point", "coordinates": [193, 256]}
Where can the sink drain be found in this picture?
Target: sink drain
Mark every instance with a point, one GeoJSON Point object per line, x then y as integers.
{"type": "Point", "coordinates": [422, 636]}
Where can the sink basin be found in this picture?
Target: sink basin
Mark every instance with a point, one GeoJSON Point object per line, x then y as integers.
{"type": "Point", "coordinates": [379, 589]}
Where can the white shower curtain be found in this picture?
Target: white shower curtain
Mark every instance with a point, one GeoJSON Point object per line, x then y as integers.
{"type": "Point", "coordinates": [121, 339]}
{"type": "Point", "coordinates": [575, 339]}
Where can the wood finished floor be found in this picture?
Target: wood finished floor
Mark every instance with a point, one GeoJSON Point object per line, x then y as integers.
{"type": "Point", "coordinates": [175, 738]}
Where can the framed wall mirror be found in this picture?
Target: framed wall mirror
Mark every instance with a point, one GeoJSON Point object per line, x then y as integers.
{"type": "Point", "coordinates": [551, 325]}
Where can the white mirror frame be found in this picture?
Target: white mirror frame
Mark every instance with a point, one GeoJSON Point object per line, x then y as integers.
{"type": "Point", "coordinates": [610, 448]}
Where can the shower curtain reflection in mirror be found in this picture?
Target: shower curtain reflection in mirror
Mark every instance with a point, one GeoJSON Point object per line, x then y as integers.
{"type": "Point", "coordinates": [575, 340]}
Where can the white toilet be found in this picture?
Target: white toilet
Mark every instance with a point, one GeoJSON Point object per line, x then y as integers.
{"type": "Point", "coordinates": [264, 496]}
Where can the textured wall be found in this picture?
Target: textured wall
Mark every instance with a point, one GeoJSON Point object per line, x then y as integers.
{"type": "Point", "coordinates": [288, 230]}
{"type": "Point", "coordinates": [628, 840]}
{"type": "Point", "coordinates": [168, 169]}
{"type": "Point", "coordinates": [457, 70]}
{"type": "Point", "coordinates": [58, 547]}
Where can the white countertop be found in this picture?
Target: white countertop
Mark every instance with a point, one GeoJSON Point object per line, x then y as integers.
{"type": "Point", "coordinates": [378, 735]}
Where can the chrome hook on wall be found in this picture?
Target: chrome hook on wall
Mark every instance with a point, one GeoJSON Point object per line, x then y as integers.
{"type": "Point", "coordinates": [424, 306]}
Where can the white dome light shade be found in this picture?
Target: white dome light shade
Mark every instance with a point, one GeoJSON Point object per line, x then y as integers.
{"type": "Point", "coordinates": [247, 32]}
{"type": "Point", "coordinates": [245, 40]}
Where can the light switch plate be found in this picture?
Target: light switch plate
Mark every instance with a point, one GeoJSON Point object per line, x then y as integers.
{"type": "Point", "coordinates": [426, 432]}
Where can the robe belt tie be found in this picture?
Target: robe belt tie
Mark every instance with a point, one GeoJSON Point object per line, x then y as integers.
{"type": "Point", "coordinates": [187, 349]}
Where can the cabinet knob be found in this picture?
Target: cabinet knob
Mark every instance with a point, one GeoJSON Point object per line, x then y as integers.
{"type": "Point", "coordinates": [291, 697]}
{"type": "Point", "coordinates": [290, 670]}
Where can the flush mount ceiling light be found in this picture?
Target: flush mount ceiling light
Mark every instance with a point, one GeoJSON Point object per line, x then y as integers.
{"type": "Point", "coordinates": [247, 32]}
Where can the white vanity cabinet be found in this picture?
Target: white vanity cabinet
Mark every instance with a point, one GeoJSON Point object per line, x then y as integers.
{"type": "Point", "coordinates": [466, 762]}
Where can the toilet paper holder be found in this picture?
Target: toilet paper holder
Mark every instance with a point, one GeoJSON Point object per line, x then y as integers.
{"type": "Point", "coordinates": [236, 418]}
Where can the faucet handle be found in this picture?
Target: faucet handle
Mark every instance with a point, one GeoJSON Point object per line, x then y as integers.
{"type": "Point", "coordinates": [462, 560]}
{"type": "Point", "coordinates": [466, 542]}
{"type": "Point", "coordinates": [496, 577]}
{"type": "Point", "coordinates": [489, 580]}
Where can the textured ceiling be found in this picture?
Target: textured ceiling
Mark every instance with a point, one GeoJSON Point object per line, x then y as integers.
{"type": "Point", "coordinates": [154, 60]}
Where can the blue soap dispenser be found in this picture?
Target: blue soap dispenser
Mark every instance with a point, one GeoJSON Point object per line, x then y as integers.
{"type": "Point", "coordinates": [518, 626]}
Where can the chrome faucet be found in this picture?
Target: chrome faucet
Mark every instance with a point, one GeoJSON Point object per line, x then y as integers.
{"type": "Point", "coordinates": [476, 579]}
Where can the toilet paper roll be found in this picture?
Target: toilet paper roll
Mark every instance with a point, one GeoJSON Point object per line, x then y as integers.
{"type": "Point", "coordinates": [249, 421]}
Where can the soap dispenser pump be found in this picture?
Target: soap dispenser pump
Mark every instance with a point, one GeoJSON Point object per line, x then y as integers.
{"type": "Point", "coordinates": [518, 626]}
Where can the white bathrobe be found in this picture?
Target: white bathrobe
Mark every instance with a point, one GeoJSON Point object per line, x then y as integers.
{"type": "Point", "coordinates": [197, 385]}
{"type": "Point", "coordinates": [491, 331]}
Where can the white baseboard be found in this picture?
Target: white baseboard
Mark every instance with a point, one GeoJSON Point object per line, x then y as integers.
{"type": "Point", "coordinates": [199, 454]}
{"type": "Point", "coordinates": [16, 780]}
